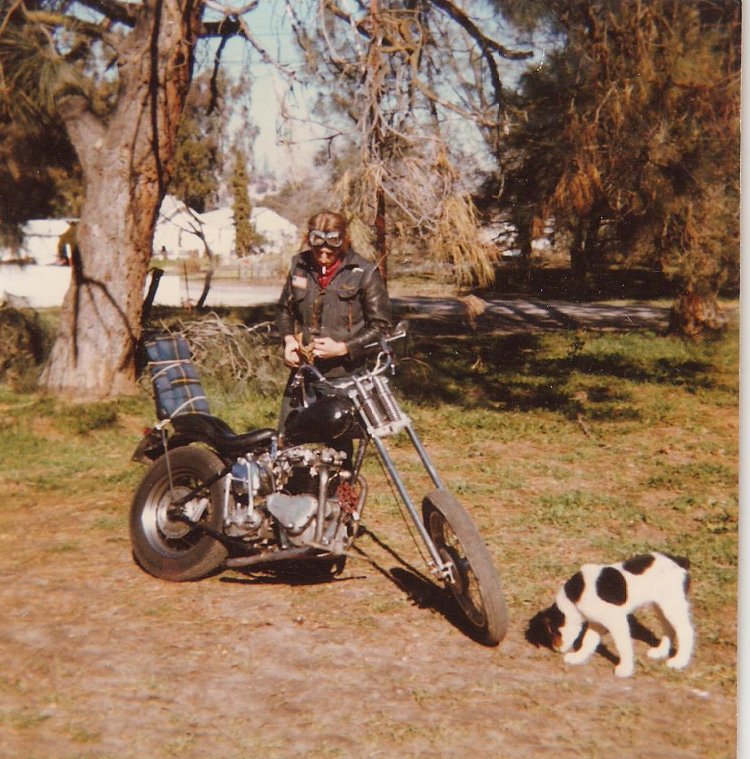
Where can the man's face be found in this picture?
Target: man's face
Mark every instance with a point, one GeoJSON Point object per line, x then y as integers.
{"type": "Point", "coordinates": [324, 256]}
{"type": "Point", "coordinates": [326, 247]}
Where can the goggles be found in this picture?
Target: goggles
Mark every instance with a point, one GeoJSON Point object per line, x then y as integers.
{"type": "Point", "coordinates": [332, 239]}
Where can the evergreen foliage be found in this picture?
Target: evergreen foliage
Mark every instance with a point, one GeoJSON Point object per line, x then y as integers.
{"type": "Point", "coordinates": [39, 173]}
{"type": "Point", "coordinates": [629, 145]}
{"type": "Point", "coordinates": [243, 228]}
{"type": "Point", "coordinates": [198, 155]}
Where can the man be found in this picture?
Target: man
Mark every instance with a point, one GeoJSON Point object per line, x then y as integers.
{"type": "Point", "coordinates": [333, 304]}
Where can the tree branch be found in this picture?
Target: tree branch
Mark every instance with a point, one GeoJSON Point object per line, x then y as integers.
{"type": "Point", "coordinates": [471, 28]}
{"type": "Point", "coordinates": [227, 27]}
{"type": "Point", "coordinates": [86, 131]}
{"type": "Point", "coordinates": [487, 45]}
{"type": "Point", "coordinates": [360, 26]}
{"type": "Point", "coordinates": [123, 13]}
{"type": "Point", "coordinates": [231, 24]}
{"type": "Point", "coordinates": [52, 20]}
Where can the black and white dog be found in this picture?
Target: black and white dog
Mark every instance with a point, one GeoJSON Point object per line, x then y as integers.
{"type": "Point", "coordinates": [598, 599]}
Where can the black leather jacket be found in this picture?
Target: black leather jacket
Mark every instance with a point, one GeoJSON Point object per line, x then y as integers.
{"type": "Point", "coordinates": [354, 308]}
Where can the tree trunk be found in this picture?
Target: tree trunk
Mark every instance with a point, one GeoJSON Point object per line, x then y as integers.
{"type": "Point", "coordinates": [126, 164]}
{"type": "Point", "coordinates": [578, 267]}
{"type": "Point", "coordinates": [693, 314]}
{"type": "Point", "coordinates": [591, 247]}
{"type": "Point", "coordinates": [526, 232]}
{"type": "Point", "coordinates": [381, 244]}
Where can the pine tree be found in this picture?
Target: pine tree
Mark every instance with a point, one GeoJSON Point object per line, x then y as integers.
{"type": "Point", "coordinates": [244, 233]}
{"type": "Point", "coordinates": [630, 144]}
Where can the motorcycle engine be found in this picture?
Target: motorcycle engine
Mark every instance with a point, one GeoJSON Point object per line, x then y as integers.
{"type": "Point", "coordinates": [252, 476]}
{"type": "Point", "coordinates": [279, 496]}
{"type": "Point", "coordinates": [295, 515]}
{"type": "Point", "coordinates": [296, 508]}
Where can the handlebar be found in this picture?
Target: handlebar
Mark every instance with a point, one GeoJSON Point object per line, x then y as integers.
{"type": "Point", "coordinates": [383, 361]}
{"type": "Point", "coordinates": [398, 333]}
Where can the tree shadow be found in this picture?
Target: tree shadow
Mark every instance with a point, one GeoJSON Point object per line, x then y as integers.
{"type": "Point", "coordinates": [513, 373]}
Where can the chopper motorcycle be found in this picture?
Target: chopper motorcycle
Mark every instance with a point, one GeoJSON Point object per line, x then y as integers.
{"type": "Point", "coordinates": [214, 499]}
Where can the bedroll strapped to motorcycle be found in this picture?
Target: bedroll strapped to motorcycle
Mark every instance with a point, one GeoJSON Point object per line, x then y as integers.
{"type": "Point", "coordinates": [176, 382]}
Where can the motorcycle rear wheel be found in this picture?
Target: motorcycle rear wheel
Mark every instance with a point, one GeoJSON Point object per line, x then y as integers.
{"type": "Point", "coordinates": [169, 548]}
{"type": "Point", "coordinates": [475, 584]}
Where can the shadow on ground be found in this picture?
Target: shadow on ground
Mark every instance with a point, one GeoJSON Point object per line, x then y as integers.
{"type": "Point", "coordinates": [514, 372]}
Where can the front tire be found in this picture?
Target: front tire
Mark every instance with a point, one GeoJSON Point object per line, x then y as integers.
{"type": "Point", "coordinates": [164, 546]}
{"type": "Point", "coordinates": [475, 584]}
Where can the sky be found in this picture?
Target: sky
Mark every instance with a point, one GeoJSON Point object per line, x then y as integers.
{"type": "Point", "coordinates": [270, 27]}
{"type": "Point", "coordinates": [270, 89]}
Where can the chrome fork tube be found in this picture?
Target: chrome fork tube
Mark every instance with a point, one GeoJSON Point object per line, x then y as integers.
{"type": "Point", "coordinates": [441, 569]}
{"type": "Point", "coordinates": [434, 476]}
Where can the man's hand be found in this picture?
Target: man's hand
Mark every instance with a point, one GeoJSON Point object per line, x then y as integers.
{"type": "Point", "coordinates": [291, 351]}
{"type": "Point", "coordinates": [327, 347]}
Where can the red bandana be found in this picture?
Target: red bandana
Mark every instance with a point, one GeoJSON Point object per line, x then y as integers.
{"type": "Point", "coordinates": [325, 278]}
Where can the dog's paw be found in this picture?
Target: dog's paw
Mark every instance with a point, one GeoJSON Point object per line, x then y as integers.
{"type": "Point", "coordinates": [676, 662]}
{"type": "Point", "coordinates": [575, 657]}
{"type": "Point", "coordinates": [624, 670]}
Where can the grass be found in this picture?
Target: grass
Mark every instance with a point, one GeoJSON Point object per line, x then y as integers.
{"type": "Point", "coordinates": [566, 447]}
{"type": "Point", "coordinates": [581, 447]}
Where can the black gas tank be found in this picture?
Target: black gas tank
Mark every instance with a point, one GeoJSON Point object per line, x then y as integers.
{"type": "Point", "coordinates": [324, 420]}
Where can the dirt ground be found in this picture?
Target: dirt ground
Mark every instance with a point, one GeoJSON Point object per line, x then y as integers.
{"type": "Point", "coordinates": [101, 660]}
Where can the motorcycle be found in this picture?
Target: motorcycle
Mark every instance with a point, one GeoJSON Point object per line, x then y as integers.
{"type": "Point", "coordinates": [213, 499]}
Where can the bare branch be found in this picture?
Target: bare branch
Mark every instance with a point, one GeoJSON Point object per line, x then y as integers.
{"type": "Point", "coordinates": [123, 13]}
{"type": "Point", "coordinates": [359, 26]}
{"type": "Point", "coordinates": [471, 28]}
{"type": "Point", "coordinates": [267, 58]}
{"type": "Point", "coordinates": [233, 24]}
{"type": "Point", "coordinates": [487, 45]}
{"type": "Point", "coordinates": [227, 10]}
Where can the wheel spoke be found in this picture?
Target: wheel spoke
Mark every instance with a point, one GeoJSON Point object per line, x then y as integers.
{"type": "Point", "coordinates": [464, 584]}
{"type": "Point", "coordinates": [473, 580]}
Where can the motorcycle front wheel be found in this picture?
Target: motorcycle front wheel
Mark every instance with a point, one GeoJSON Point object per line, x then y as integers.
{"type": "Point", "coordinates": [474, 581]}
{"type": "Point", "coordinates": [168, 547]}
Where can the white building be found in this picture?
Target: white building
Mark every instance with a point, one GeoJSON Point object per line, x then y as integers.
{"type": "Point", "coordinates": [182, 232]}
{"type": "Point", "coordinates": [40, 238]}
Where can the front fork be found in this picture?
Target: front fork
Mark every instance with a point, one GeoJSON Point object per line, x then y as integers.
{"type": "Point", "coordinates": [440, 568]}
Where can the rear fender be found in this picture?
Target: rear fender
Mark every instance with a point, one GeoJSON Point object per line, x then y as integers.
{"type": "Point", "coordinates": [151, 445]}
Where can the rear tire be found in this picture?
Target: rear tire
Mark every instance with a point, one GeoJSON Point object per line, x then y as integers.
{"type": "Point", "coordinates": [475, 584]}
{"type": "Point", "coordinates": [169, 548]}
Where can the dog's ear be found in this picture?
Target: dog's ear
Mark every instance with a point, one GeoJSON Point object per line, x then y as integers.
{"type": "Point", "coordinates": [552, 637]}
{"type": "Point", "coordinates": [539, 631]}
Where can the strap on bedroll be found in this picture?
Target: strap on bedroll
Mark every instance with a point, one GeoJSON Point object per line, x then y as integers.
{"type": "Point", "coordinates": [177, 385]}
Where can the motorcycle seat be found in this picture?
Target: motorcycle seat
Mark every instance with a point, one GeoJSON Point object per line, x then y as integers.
{"type": "Point", "coordinates": [221, 437]}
